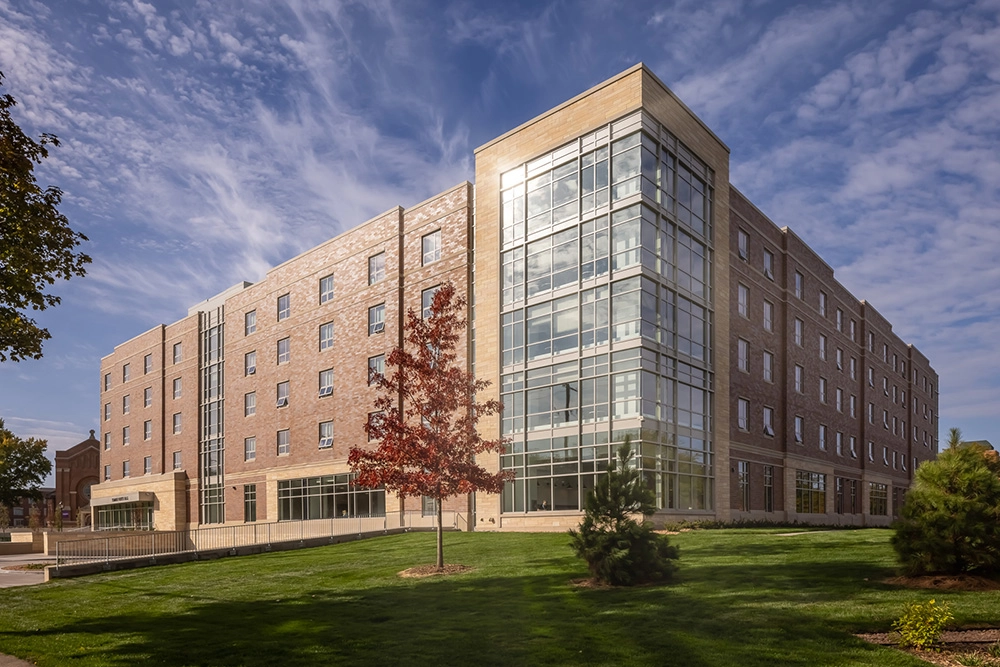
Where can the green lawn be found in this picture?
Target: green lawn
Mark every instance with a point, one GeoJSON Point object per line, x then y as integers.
{"type": "Point", "coordinates": [742, 597]}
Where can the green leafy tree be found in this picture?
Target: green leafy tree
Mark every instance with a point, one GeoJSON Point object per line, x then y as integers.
{"type": "Point", "coordinates": [428, 439]}
{"type": "Point", "coordinates": [23, 467]}
{"type": "Point", "coordinates": [36, 242]}
{"type": "Point", "coordinates": [950, 522]}
{"type": "Point", "coordinates": [620, 550]}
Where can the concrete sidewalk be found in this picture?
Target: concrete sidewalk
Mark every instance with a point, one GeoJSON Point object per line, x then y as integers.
{"type": "Point", "coordinates": [9, 578]}
{"type": "Point", "coordinates": [11, 661]}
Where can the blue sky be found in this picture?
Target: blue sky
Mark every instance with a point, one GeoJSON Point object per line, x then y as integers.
{"type": "Point", "coordinates": [207, 141]}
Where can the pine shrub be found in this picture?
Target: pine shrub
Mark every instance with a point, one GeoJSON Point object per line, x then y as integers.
{"type": "Point", "coordinates": [950, 522]}
{"type": "Point", "coordinates": [620, 550]}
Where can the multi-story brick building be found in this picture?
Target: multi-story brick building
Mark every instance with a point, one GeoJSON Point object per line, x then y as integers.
{"type": "Point", "coordinates": [621, 286]}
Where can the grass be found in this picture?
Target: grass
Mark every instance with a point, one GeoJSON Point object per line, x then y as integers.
{"type": "Point", "coordinates": [742, 597]}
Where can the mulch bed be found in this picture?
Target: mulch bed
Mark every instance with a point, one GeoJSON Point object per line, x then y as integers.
{"type": "Point", "coordinates": [433, 571]}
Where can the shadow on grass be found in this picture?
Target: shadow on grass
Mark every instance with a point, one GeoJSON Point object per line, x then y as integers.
{"type": "Point", "coordinates": [463, 620]}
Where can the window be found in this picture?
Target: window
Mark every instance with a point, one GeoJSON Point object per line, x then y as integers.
{"type": "Point", "coordinates": [822, 304]}
{"type": "Point", "coordinates": [885, 352]}
{"type": "Point", "coordinates": [871, 450]}
{"type": "Point", "coordinates": [147, 430]}
{"type": "Point", "coordinates": [768, 367]}
{"type": "Point", "coordinates": [822, 390]}
{"type": "Point", "coordinates": [249, 449]}
{"type": "Point", "coordinates": [798, 332]}
{"type": "Point", "coordinates": [374, 419]}
{"type": "Point", "coordinates": [177, 388]}
{"type": "Point", "coordinates": [768, 488]}
{"type": "Point", "coordinates": [177, 422]}
{"type": "Point", "coordinates": [768, 316]}
{"type": "Point", "coordinates": [799, 429]}
{"type": "Point", "coordinates": [427, 301]}
{"type": "Point", "coordinates": [743, 299]}
{"type": "Point", "coordinates": [126, 372]}
{"type": "Point", "coordinates": [284, 350]}
{"type": "Point", "coordinates": [325, 435]}
{"type": "Point", "coordinates": [822, 347]}
{"type": "Point", "coordinates": [885, 456]}
{"type": "Point", "coordinates": [885, 419]}
{"type": "Point", "coordinates": [822, 437]}
{"type": "Point", "coordinates": [854, 368]}
{"type": "Point", "coordinates": [743, 355]}
{"type": "Point", "coordinates": [125, 469]}
{"type": "Point", "coordinates": [249, 404]}
{"type": "Point", "coordinates": [147, 364]}
{"type": "Point", "coordinates": [177, 460]}
{"type": "Point", "coordinates": [769, 421]}
{"type": "Point", "coordinates": [282, 394]}
{"type": "Point", "coordinates": [325, 336]}
{"type": "Point", "coordinates": [284, 306]}
{"type": "Point", "coordinates": [885, 386]}
{"type": "Point", "coordinates": [798, 284]}
{"type": "Point", "coordinates": [871, 376]}
{"type": "Point", "coordinates": [147, 465]}
{"type": "Point", "coordinates": [107, 441]}
{"type": "Point", "coordinates": [871, 341]}
{"type": "Point", "coordinates": [376, 268]}
{"type": "Point", "coordinates": [768, 264]}
{"type": "Point", "coordinates": [840, 359]}
{"type": "Point", "coordinates": [147, 397]}
{"type": "Point", "coordinates": [854, 327]}
{"type": "Point", "coordinates": [871, 413]}
{"type": "Point", "coordinates": [249, 322]}
{"type": "Point", "coordinates": [249, 502]}
{"type": "Point", "coordinates": [743, 480]}
{"type": "Point", "coordinates": [854, 447]}
{"type": "Point", "coordinates": [107, 381]}
{"type": "Point", "coordinates": [326, 289]}
{"type": "Point", "coordinates": [376, 368]}
{"type": "Point", "coordinates": [376, 319]}
{"type": "Point", "coordinates": [107, 473]}
{"type": "Point", "coordinates": [743, 412]}
{"type": "Point", "coordinates": [250, 363]}
{"type": "Point", "coordinates": [107, 411]}
{"type": "Point", "coordinates": [326, 383]}
{"type": "Point", "coordinates": [878, 499]}
{"type": "Point", "coordinates": [840, 400]}
{"type": "Point", "coordinates": [810, 492]}
{"type": "Point", "coordinates": [126, 402]}
{"type": "Point", "coordinates": [284, 442]}
{"type": "Point", "coordinates": [840, 320]}
{"type": "Point", "coordinates": [743, 244]}
{"type": "Point", "coordinates": [799, 373]}
{"type": "Point", "coordinates": [431, 247]}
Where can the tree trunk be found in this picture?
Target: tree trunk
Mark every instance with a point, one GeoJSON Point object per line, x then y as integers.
{"type": "Point", "coordinates": [440, 537]}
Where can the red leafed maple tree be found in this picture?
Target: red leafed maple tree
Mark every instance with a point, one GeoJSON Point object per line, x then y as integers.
{"type": "Point", "coordinates": [428, 440]}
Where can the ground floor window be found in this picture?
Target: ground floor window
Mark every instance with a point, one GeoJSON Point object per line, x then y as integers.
{"type": "Point", "coordinates": [810, 492]}
{"type": "Point", "coordinates": [249, 502]}
{"type": "Point", "coordinates": [743, 473]}
{"type": "Point", "coordinates": [768, 488]}
{"type": "Point", "coordinates": [878, 499]}
{"type": "Point", "coordinates": [125, 516]}
{"type": "Point", "coordinates": [327, 497]}
{"type": "Point", "coordinates": [428, 506]}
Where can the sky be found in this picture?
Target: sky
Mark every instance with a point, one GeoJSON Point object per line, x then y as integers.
{"type": "Point", "coordinates": [204, 142]}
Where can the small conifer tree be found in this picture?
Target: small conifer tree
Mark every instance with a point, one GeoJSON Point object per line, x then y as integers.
{"type": "Point", "coordinates": [620, 550]}
{"type": "Point", "coordinates": [950, 522]}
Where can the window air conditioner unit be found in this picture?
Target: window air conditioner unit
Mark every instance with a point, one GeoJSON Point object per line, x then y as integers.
{"type": "Point", "coordinates": [251, 370]}
{"type": "Point", "coordinates": [282, 402]}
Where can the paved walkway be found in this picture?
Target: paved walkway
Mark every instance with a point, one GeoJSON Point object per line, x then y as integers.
{"type": "Point", "coordinates": [11, 661]}
{"type": "Point", "coordinates": [10, 578]}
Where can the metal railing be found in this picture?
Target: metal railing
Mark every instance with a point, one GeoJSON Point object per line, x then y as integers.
{"type": "Point", "coordinates": [150, 544]}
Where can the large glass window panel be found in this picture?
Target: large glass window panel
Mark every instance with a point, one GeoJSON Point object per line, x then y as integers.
{"type": "Point", "coordinates": [594, 179]}
{"type": "Point", "coordinates": [626, 394]}
{"type": "Point", "coordinates": [691, 328]}
{"type": "Point", "coordinates": [594, 317]}
{"type": "Point", "coordinates": [553, 327]}
{"type": "Point", "coordinates": [626, 309]}
{"type": "Point", "coordinates": [625, 167]}
{"type": "Point", "coordinates": [594, 400]}
{"type": "Point", "coordinates": [691, 264]}
{"type": "Point", "coordinates": [512, 214]}
{"type": "Point", "coordinates": [513, 337]}
{"type": "Point", "coordinates": [513, 276]}
{"type": "Point", "coordinates": [552, 262]}
{"type": "Point", "coordinates": [626, 237]}
{"type": "Point", "coordinates": [594, 246]}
